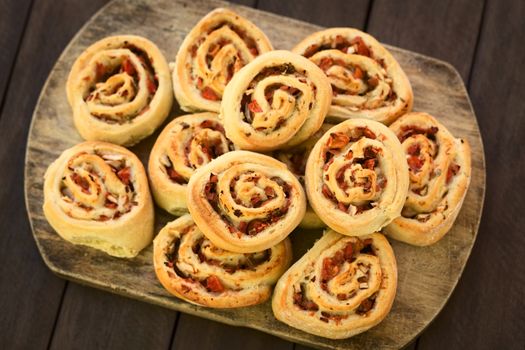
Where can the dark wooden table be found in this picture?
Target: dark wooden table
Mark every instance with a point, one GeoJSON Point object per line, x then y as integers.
{"type": "Point", "coordinates": [482, 39]}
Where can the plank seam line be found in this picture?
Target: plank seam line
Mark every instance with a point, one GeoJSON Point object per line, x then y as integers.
{"type": "Point", "coordinates": [57, 316]}
{"type": "Point", "coordinates": [476, 46]}
{"type": "Point", "coordinates": [368, 13]}
{"type": "Point", "coordinates": [15, 58]}
{"type": "Point", "coordinates": [174, 330]}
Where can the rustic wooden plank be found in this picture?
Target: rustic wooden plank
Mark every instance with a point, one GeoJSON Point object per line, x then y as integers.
{"type": "Point", "coordinates": [412, 346]}
{"type": "Point", "coordinates": [92, 319]}
{"type": "Point", "coordinates": [13, 19]}
{"type": "Point", "coordinates": [329, 14]}
{"type": "Point", "coordinates": [486, 310]}
{"type": "Point", "coordinates": [249, 3]}
{"type": "Point", "coordinates": [22, 272]}
{"type": "Point", "coordinates": [198, 333]}
{"type": "Point", "coordinates": [86, 311]}
{"type": "Point", "coordinates": [443, 29]}
{"type": "Point", "coordinates": [417, 300]}
{"type": "Point", "coordinates": [420, 26]}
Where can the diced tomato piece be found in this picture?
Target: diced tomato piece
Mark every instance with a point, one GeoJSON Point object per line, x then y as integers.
{"type": "Point", "coordinates": [325, 63]}
{"type": "Point", "coordinates": [453, 169]}
{"type": "Point", "coordinates": [124, 175]}
{"type": "Point", "coordinates": [209, 94]}
{"type": "Point", "coordinates": [361, 48]}
{"type": "Point", "coordinates": [254, 107]}
{"type": "Point", "coordinates": [358, 73]}
{"type": "Point", "coordinates": [415, 163]}
{"type": "Point", "coordinates": [152, 88]}
{"type": "Point", "coordinates": [414, 149]}
{"type": "Point", "coordinates": [128, 67]}
{"type": "Point", "coordinates": [214, 284]}
{"type": "Point", "coordinates": [337, 140]}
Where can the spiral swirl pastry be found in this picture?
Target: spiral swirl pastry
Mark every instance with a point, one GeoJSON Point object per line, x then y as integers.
{"type": "Point", "coordinates": [439, 176]}
{"type": "Point", "coordinates": [278, 100]}
{"type": "Point", "coordinates": [295, 159]}
{"type": "Point", "coordinates": [341, 287]}
{"type": "Point", "coordinates": [96, 194]}
{"type": "Point", "coordinates": [245, 202]}
{"type": "Point", "coordinates": [192, 268]}
{"type": "Point", "coordinates": [356, 177]}
{"type": "Point", "coordinates": [120, 90]}
{"type": "Point", "coordinates": [211, 54]}
{"type": "Point", "coordinates": [367, 81]}
{"type": "Point", "coordinates": [185, 144]}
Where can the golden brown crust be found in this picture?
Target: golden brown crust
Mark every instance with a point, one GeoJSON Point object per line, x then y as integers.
{"type": "Point", "coordinates": [97, 194]}
{"type": "Point", "coordinates": [341, 287]}
{"type": "Point", "coordinates": [278, 100]}
{"type": "Point", "coordinates": [186, 143]}
{"type": "Point", "coordinates": [120, 90]}
{"type": "Point", "coordinates": [356, 177]}
{"type": "Point", "coordinates": [439, 173]}
{"type": "Point", "coordinates": [366, 79]}
{"type": "Point", "coordinates": [190, 267]}
{"type": "Point", "coordinates": [214, 50]}
{"type": "Point", "coordinates": [245, 202]}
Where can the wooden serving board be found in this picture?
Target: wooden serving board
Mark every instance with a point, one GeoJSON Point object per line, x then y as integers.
{"type": "Point", "coordinates": [427, 276]}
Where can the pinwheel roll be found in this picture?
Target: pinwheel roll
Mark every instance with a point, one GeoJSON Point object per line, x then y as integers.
{"type": "Point", "coordinates": [185, 144]}
{"type": "Point", "coordinates": [295, 159]}
{"type": "Point", "coordinates": [439, 173]}
{"type": "Point", "coordinates": [356, 177]}
{"type": "Point", "coordinates": [96, 194]}
{"type": "Point", "coordinates": [215, 49]}
{"type": "Point", "coordinates": [245, 202]}
{"type": "Point", "coordinates": [367, 81]}
{"type": "Point", "coordinates": [192, 268]}
{"type": "Point", "coordinates": [120, 90]}
{"type": "Point", "coordinates": [341, 287]}
{"type": "Point", "coordinates": [278, 100]}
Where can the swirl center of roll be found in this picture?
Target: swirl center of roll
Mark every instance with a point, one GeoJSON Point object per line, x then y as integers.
{"type": "Point", "coordinates": [420, 153]}
{"type": "Point", "coordinates": [357, 81]}
{"type": "Point", "coordinates": [194, 146]}
{"type": "Point", "coordinates": [278, 96]}
{"type": "Point", "coordinates": [346, 279]}
{"type": "Point", "coordinates": [250, 192]}
{"type": "Point", "coordinates": [119, 84]}
{"type": "Point", "coordinates": [249, 198]}
{"type": "Point", "coordinates": [353, 174]}
{"type": "Point", "coordinates": [97, 187]}
{"type": "Point", "coordinates": [217, 56]}
{"type": "Point", "coordinates": [195, 258]}
{"type": "Point", "coordinates": [429, 153]}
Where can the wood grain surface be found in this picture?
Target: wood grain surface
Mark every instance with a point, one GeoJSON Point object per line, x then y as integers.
{"type": "Point", "coordinates": [484, 312]}
{"type": "Point", "coordinates": [426, 275]}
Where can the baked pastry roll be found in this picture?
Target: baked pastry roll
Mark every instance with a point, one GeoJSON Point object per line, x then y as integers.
{"type": "Point", "coordinates": [245, 202]}
{"type": "Point", "coordinates": [96, 194]}
{"type": "Point", "coordinates": [341, 287]}
{"type": "Point", "coordinates": [356, 177]}
{"type": "Point", "coordinates": [367, 81]}
{"type": "Point", "coordinates": [278, 100]}
{"type": "Point", "coordinates": [120, 90]}
{"type": "Point", "coordinates": [192, 268]}
{"type": "Point", "coordinates": [295, 159]}
{"type": "Point", "coordinates": [439, 173]}
{"type": "Point", "coordinates": [185, 144]}
{"type": "Point", "coordinates": [213, 51]}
